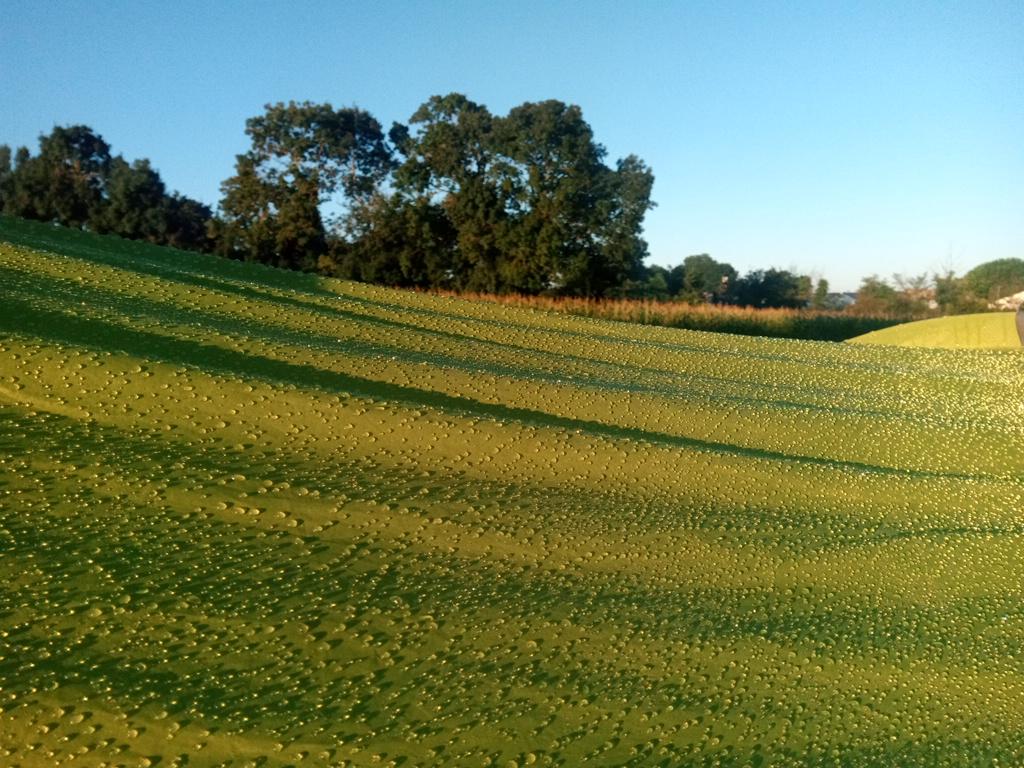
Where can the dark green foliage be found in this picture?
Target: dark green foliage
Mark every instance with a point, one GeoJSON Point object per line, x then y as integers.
{"type": "Point", "coordinates": [814, 326]}
{"type": "Point", "coordinates": [134, 208]}
{"type": "Point", "coordinates": [996, 279]}
{"type": "Point", "coordinates": [768, 288]}
{"type": "Point", "coordinates": [187, 223]}
{"type": "Point", "coordinates": [29, 195]}
{"type": "Point", "coordinates": [705, 278]}
{"type": "Point", "coordinates": [532, 206]}
{"type": "Point", "coordinates": [6, 176]}
{"type": "Point", "coordinates": [65, 182]}
{"type": "Point", "coordinates": [623, 249]}
{"type": "Point", "coordinates": [301, 155]}
{"type": "Point", "coordinates": [554, 171]}
{"type": "Point", "coordinates": [311, 144]}
{"type": "Point", "coordinates": [76, 182]}
{"type": "Point", "coordinates": [409, 243]}
{"type": "Point", "coordinates": [654, 286]}
{"type": "Point", "coordinates": [73, 168]}
{"type": "Point", "coordinates": [138, 207]}
{"type": "Point", "coordinates": [676, 279]}
{"type": "Point", "coordinates": [300, 231]}
{"type": "Point", "coordinates": [450, 156]}
{"type": "Point", "coordinates": [521, 203]}
{"type": "Point", "coordinates": [22, 190]}
{"type": "Point", "coordinates": [247, 227]}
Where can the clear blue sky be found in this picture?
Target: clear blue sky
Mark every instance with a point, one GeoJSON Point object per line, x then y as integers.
{"type": "Point", "coordinates": [839, 138]}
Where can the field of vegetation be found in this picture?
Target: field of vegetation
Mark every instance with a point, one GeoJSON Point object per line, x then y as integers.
{"type": "Point", "coordinates": [258, 518]}
{"type": "Point", "coordinates": [987, 330]}
{"type": "Point", "coordinates": [783, 323]}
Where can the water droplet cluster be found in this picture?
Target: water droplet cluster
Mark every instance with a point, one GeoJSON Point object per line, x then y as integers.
{"type": "Point", "coordinates": [252, 518]}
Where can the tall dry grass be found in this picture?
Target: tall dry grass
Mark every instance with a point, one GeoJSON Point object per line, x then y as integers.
{"type": "Point", "coordinates": [823, 325]}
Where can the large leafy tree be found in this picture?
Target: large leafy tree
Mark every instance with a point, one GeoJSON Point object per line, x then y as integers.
{"type": "Point", "coordinates": [558, 184]}
{"type": "Point", "coordinates": [450, 160]}
{"type": "Point", "coordinates": [302, 155]}
{"type": "Point", "coordinates": [577, 222]}
{"type": "Point", "coordinates": [532, 205]}
{"type": "Point", "coordinates": [623, 248]}
{"type": "Point", "coordinates": [399, 242]}
{"type": "Point", "coordinates": [65, 182]}
{"type": "Point", "coordinates": [134, 202]}
{"type": "Point", "coordinates": [77, 163]}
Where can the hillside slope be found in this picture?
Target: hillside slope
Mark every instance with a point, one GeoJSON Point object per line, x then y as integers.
{"type": "Point", "coordinates": [987, 330]}
{"type": "Point", "coordinates": [255, 518]}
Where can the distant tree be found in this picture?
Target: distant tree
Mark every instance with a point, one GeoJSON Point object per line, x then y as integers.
{"type": "Point", "coordinates": [996, 279]}
{"type": "Point", "coordinates": [912, 285]}
{"type": "Point", "coordinates": [29, 195]}
{"type": "Point", "coordinates": [65, 182]}
{"type": "Point", "coordinates": [301, 155]}
{"type": "Point", "coordinates": [134, 202]}
{"type": "Point", "coordinates": [618, 226]}
{"type": "Point", "coordinates": [767, 288]}
{"type": "Point", "coordinates": [20, 192]}
{"type": "Point", "coordinates": [820, 298]}
{"type": "Point", "coordinates": [653, 285]}
{"type": "Point", "coordinates": [300, 235]}
{"type": "Point", "coordinates": [675, 280]}
{"type": "Point", "coordinates": [555, 173]}
{"type": "Point", "coordinates": [954, 296]}
{"type": "Point", "coordinates": [949, 290]}
{"type": "Point", "coordinates": [916, 293]}
{"type": "Point", "coordinates": [6, 176]}
{"type": "Point", "coordinates": [247, 228]}
{"type": "Point", "coordinates": [532, 204]}
{"type": "Point", "coordinates": [805, 289]}
{"type": "Point", "coordinates": [704, 278]}
{"type": "Point", "coordinates": [906, 296]}
{"type": "Point", "coordinates": [397, 242]}
{"type": "Point", "coordinates": [77, 162]}
{"type": "Point", "coordinates": [450, 156]}
{"type": "Point", "coordinates": [187, 223]}
{"type": "Point", "coordinates": [877, 297]}
{"type": "Point", "coordinates": [75, 181]}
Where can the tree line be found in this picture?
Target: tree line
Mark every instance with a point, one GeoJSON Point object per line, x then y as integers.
{"type": "Point", "coordinates": [458, 199]}
{"type": "Point", "coordinates": [75, 181]}
{"type": "Point", "coordinates": [943, 292]}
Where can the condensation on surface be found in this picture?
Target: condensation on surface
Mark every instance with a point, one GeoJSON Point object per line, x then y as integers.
{"type": "Point", "coordinates": [254, 518]}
